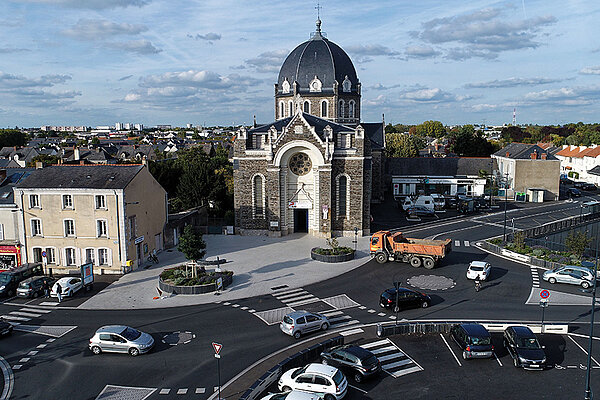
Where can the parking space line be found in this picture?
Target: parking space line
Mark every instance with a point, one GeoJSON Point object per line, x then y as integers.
{"type": "Point", "coordinates": [359, 389]}
{"type": "Point", "coordinates": [582, 349]}
{"type": "Point", "coordinates": [451, 351]}
{"type": "Point", "coordinates": [497, 359]}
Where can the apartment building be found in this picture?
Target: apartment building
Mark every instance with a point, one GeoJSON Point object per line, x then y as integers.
{"type": "Point", "coordinates": [578, 162]}
{"type": "Point", "coordinates": [112, 216]}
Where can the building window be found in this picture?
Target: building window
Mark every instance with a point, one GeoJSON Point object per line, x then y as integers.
{"type": "Point", "coordinates": [346, 85]}
{"type": "Point", "coordinates": [70, 256]}
{"type": "Point", "coordinates": [300, 164]}
{"type": "Point", "coordinates": [34, 201]}
{"type": "Point", "coordinates": [101, 229]}
{"type": "Point", "coordinates": [342, 108]}
{"type": "Point", "coordinates": [344, 140]}
{"type": "Point", "coordinates": [1, 231]}
{"type": "Point", "coordinates": [132, 225]}
{"type": "Point", "coordinates": [281, 109]}
{"type": "Point", "coordinates": [69, 227]}
{"type": "Point", "coordinates": [100, 201]}
{"type": "Point", "coordinates": [89, 255]}
{"type": "Point", "coordinates": [307, 107]}
{"type": "Point", "coordinates": [258, 198]}
{"type": "Point", "coordinates": [342, 197]}
{"type": "Point", "coordinates": [260, 141]}
{"type": "Point", "coordinates": [102, 256]}
{"type": "Point", "coordinates": [37, 254]}
{"type": "Point", "coordinates": [50, 255]}
{"type": "Point", "coordinates": [36, 227]}
{"type": "Point", "coordinates": [291, 108]}
{"type": "Point", "coordinates": [324, 109]}
{"type": "Point", "coordinates": [285, 86]}
{"type": "Point", "coordinates": [67, 201]}
{"type": "Point", "coordinates": [351, 106]}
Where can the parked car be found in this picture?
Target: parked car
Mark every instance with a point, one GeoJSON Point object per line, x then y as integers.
{"type": "Point", "coordinates": [121, 339]}
{"type": "Point", "coordinates": [10, 279]}
{"type": "Point", "coordinates": [474, 341]}
{"type": "Point", "coordinates": [524, 348]}
{"type": "Point", "coordinates": [352, 361]}
{"type": "Point", "coordinates": [573, 192]}
{"type": "Point", "coordinates": [293, 395]}
{"type": "Point", "coordinates": [420, 211]}
{"type": "Point", "coordinates": [407, 298]}
{"type": "Point", "coordinates": [69, 286]}
{"type": "Point", "coordinates": [578, 184]}
{"type": "Point", "coordinates": [6, 328]}
{"type": "Point", "coordinates": [298, 323]}
{"type": "Point", "coordinates": [479, 268]}
{"type": "Point", "coordinates": [326, 380]}
{"type": "Point", "coordinates": [33, 287]}
{"type": "Point", "coordinates": [589, 187]}
{"type": "Point", "coordinates": [572, 274]}
{"type": "Point", "coordinates": [565, 180]}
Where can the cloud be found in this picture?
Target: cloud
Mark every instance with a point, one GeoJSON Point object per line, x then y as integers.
{"type": "Point", "coordinates": [32, 93]}
{"type": "Point", "coordinates": [19, 81]}
{"type": "Point", "coordinates": [92, 4]}
{"type": "Point", "coordinates": [380, 86]}
{"type": "Point", "coordinates": [269, 61]}
{"type": "Point", "coordinates": [483, 107]}
{"type": "Point", "coordinates": [10, 50]}
{"type": "Point", "coordinates": [124, 77]}
{"type": "Point", "coordinates": [371, 50]}
{"type": "Point", "coordinates": [484, 33]}
{"type": "Point", "coordinates": [567, 96]}
{"type": "Point", "coordinates": [433, 95]}
{"type": "Point", "coordinates": [135, 46]}
{"type": "Point", "coordinates": [595, 70]}
{"type": "Point", "coordinates": [210, 36]}
{"type": "Point", "coordinates": [98, 29]}
{"type": "Point", "coordinates": [421, 51]}
{"type": "Point", "coordinates": [511, 82]}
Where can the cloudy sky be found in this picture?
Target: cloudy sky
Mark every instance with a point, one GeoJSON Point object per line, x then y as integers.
{"type": "Point", "coordinates": [97, 62]}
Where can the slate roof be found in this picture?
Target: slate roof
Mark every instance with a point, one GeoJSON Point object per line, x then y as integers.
{"type": "Point", "coordinates": [318, 123]}
{"type": "Point", "coordinates": [13, 176]}
{"type": "Point", "coordinates": [81, 177]}
{"type": "Point", "coordinates": [522, 151]}
{"type": "Point", "coordinates": [7, 163]}
{"type": "Point", "coordinates": [375, 132]}
{"type": "Point", "coordinates": [431, 166]}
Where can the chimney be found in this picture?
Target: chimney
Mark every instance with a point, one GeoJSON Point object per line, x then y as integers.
{"type": "Point", "coordinates": [39, 165]}
{"type": "Point", "coordinates": [76, 154]}
{"type": "Point", "coordinates": [507, 154]}
{"type": "Point", "coordinates": [534, 155]}
{"type": "Point", "coordinates": [81, 162]}
{"type": "Point", "coordinates": [544, 156]}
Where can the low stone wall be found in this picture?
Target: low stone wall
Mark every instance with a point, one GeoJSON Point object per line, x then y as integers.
{"type": "Point", "coordinates": [200, 289]}
{"type": "Point", "coordinates": [331, 258]}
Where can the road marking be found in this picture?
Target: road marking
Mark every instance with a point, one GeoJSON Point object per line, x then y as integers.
{"type": "Point", "coordinates": [392, 317]}
{"type": "Point", "coordinates": [200, 390]}
{"type": "Point", "coordinates": [303, 302]}
{"type": "Point", "coordinates": [332, 313]}
{"type": "Point", "coordinates": [32, 353]}
{"type": "Point", "coordinates": [497, 359]}
{"type": "Point", "coordinates": [394, 361]}
{"type": "Point", "coordinates": [114, 392]}
{"type": "Point", "coordinates": [226, 303]}
{"type": "Point", "coordinates": [9, 379]}
{"type": "Point", "coordinates": [359, 389]}
{"type": "Point", "coordinates": [26, 314]}
{"type": "Point", "coordinates": [182, 391]}
{"type": "Point", "coordinates": [15, 318]}
{"type": "Point", "coordinates": [288, 291]}
{"type": "Point", "coordinates": [371, 311]}
{"type": "Point", "coordinates": [373, 344]}
{"type": "Point", "coordinates": [382, 314]}
{"type": "Point", "coordinates": [362, 308]}
{"type": "Point", "coordinates": [41, 346]}
{"type": "Point", "coordinates": [457, 243]}
{"type": "Point", "coordinates": [467, 243]}
{"type": "Point", "coordinates": [24, 360]}
{"type": "Point", "coordinates": [36, 310]}
{"type": "Point", "coordinates": [235, 305]}
{"type": "Point", "coordinates": [48, 303]}
{"type": "Point", "coordinates": [451, 351]}
{"type": "Point", "coordinates": [164, 391]}
{"type": "Point", "coordinates": [17, 366]}
{"type": "Point", "coordinates": [244, 308]}
{"type": "Point", "coordinates": [353, 322]}
{"type": "Point", "coordinates": [582, 349]}
{"type": "Point", "coordinates": [351, 332]}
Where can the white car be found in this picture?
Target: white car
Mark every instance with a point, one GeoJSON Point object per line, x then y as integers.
{"type": "Point", "coordinates": [327, 381]}
{"type": "Point", "coordinates": [479, 268]}
{"type": "Point", "coordinates": [293, 395]}
{"type": "Point", "coordinates": [69, 286]}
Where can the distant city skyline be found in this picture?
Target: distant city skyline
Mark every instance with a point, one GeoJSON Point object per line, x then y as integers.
{"type": "Point", "coordinates": [209, 62]}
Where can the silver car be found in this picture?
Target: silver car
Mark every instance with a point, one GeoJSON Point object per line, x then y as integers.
{"type": "Point", "coordinates": [298, 323]}
{"type": "Point", "coordinates": [572, 274]}
{"type": "Point", "coordinates": [121, 339]}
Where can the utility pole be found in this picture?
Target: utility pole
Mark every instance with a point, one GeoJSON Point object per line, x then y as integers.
{"type": "Point", "coordinates": [505, 201]}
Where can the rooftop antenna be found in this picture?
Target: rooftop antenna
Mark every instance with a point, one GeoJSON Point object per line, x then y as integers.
{"type": "Point", "coordinates": [318, 8]}
{"type": "Point", "coordinates": [514, 117]}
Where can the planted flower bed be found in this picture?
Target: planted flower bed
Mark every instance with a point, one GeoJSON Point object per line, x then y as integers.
{"type": "Point", "coordinates": [185, 279]}
{"type": "Point", "coordinates": [334, 254]}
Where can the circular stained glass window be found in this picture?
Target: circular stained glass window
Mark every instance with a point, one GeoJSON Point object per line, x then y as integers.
{"type": "Point", "coordinates": [300, 164]}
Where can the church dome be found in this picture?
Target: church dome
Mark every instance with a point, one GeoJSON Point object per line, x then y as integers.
{"type": "Point", "coordinates": [321, 58]}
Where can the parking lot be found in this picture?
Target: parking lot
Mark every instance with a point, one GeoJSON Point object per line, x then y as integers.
{"type": "Point", "coordinates": [431, 367]}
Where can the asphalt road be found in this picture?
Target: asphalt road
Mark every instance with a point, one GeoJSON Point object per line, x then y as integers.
{"type": "Point", "coordinates": [64, 368]}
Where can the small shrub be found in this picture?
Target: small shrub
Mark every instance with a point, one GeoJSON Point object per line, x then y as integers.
{"type": "Point", "coordinates": [538, 252]}
{"type": "Point", "coordinates": [496, 241]}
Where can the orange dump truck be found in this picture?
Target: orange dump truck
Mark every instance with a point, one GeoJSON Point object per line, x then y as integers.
{"type": "Point", "coordinates": [386, 246]}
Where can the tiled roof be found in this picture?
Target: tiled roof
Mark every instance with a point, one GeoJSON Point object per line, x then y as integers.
{"type": "Point", "coordinates": [568, 152]}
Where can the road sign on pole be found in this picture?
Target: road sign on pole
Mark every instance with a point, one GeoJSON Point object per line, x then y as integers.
{"type": "Point", "coordinates": [217, 347]}
{"type": "Point", "coordinates": [544, 294]}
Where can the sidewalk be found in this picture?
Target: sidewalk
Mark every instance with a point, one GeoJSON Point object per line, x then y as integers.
{"type": "Point", "coordinates": [259, 263]}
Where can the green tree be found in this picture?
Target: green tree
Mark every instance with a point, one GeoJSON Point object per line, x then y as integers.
{"type": "Point", "coordinates": [12, 137]}
{"type": "Point", "coordinates": [401, 145]}
{"type": "Point", "coordinates": [577, 242]}
{"type": "Point", "coordinates": [191, 244]}
{"type": "Point", "coordinates": [466, 142]}
{"type": "Point", "coordinates": [45, 158]}
{"type": "Point", "coordinates": [95, 141]}
{"type": "Point", "coordinates": [431, 129]}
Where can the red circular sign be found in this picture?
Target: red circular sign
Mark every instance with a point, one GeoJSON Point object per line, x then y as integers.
{"type": "Point", "coordinates": [544, 294]}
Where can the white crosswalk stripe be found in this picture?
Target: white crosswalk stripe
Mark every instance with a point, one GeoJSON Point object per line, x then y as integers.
{"type": "Point", "coordinates": [393, 360]}
{"type": "Point", "coordinates": [15, 318]}
{"type": "Point", "coordinates": [457, 243]}
{"type": "Point", "coordinates": [26, 314]}
{"type": "Point", "coordinates": [535, 279]}
{"type": "Point", "coordinates": [466, 243]}
{"type": "Point", "coordinates": [36, 310]}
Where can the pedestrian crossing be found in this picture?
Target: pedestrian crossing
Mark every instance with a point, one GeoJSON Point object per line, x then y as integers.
{"type": "Point", "coordinates": [296, 297]}
{"type": "Point", "coordinates": [393, 360]}
{"type": "Point", "coordinates": [24, 314]}
{"type": "Point", "coordinates": [465, 243]}
{"type": "Point", "coordinates": [535, 278]}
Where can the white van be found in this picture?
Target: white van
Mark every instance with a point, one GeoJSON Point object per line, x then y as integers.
{"type": "Point", "coordinates": [439, 201]}
{"type": "Point", "coordinates": [425, 201]}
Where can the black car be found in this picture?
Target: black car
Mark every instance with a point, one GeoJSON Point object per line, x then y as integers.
{"type": "Point", "coordinates": [474, 340]}
{"type": "Point", "coordinates": [406, 299]}
{"type": "Point", "coordinates": [10, 279]}
{"type": "Point", "coordinates": [353, 361]}
{"type": "Point", "coordinates": [566, 180]}
{"type": "Point", "coordinates": [524, 348]}
{"type": "Point", "coordinates": [578, 184]}
{"type": "Point", "coordinates": [34, 286]}
{"type": "Point", "coordinates": [420, 211]}
{"type": "Point", "coordinates": [573, 192]}
{"type": "Point", "coordinates": [589, 187]}
{"type": "Point", "coordinates": [6, 328]}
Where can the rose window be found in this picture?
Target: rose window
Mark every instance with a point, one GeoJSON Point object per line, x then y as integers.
{"type": "Point", "coordinates": [300, 164]}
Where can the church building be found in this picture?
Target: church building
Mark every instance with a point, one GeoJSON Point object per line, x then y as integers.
{"type": "Point", "coordinates": [317, 167]}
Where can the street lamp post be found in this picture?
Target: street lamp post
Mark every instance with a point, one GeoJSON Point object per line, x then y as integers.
{"type": "Point", "coordinates": [491, 182]}
{"type": "Point", "coordinates": [588, 390]}
{"type": "Point", "coordinates": [505, 201]}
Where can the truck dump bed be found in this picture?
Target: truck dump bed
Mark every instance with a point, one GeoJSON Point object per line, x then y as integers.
{"type": "Point", "coordinates": [437, 248]}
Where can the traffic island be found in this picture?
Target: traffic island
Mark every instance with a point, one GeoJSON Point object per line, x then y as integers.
{"type": "Point", "coordinates": [193, 279]}
{"type": "Point", "coordinates": [334, 254]}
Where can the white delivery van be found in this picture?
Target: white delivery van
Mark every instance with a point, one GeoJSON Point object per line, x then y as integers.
{"type": "Point", "coordinates": [439, 201]}
{"type": "Point", "coordinates": [425, 201]}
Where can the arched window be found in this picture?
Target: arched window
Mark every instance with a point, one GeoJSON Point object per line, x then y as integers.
{"type": "Point", "coordinates": [281, 110]}
{"type": "Point", "coordinates": [307, 107]}
{"type": "Point", "coordinates": [342, 197]}
{"type": "Point", "coordinates": [258, 198]}
{"type": "Point", "coordinates": [351, 109]}
{"type": "Point", "coordinates": [342, 108]}
{"type": "Point", "coordinates": [291, 108]}
{"type": "Point", "coordinates": [324, 109]}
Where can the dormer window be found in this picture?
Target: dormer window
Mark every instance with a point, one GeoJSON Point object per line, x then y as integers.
{"type": "Point", "coordinates": [285, 87]}
{"type": "Point", "coordinates": [346, 85]}
{"type": "Point", "coordinates": [315, 85]}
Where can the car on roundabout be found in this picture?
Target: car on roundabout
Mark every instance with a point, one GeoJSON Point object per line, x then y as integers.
{"type": "Point", "coordinates": [293, 395]}
{"type": "Point", "coordinates": [329, 382]}
{"type": "Point", "coordinates": [479, 269]}
{"type": "Point", "coordinates": [354, 361]}
{"type": "Point", "coordinates": [301, 322]}
{"type": "Point", "coordinates": [69, 286]}
{"type": "Point", "coordinates": [522, 345]}
{"type": "Point", "coordinates": [572, 274]}
{"type": "Point", "coordinates": [121, 339]}
{"type": "Point", "coordinates": [406, 298]}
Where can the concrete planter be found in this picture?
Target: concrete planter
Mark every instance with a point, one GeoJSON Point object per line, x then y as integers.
{"type": "Point", "coordinates": [331, 258]}
{"type": "Point", "coordinates": [200, 289]}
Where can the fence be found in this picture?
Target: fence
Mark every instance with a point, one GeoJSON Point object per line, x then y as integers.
{"type": "Point", "coordinates": [536, 262]}
{"type": "Point", "coordinates": [424, 328]}
{"type": "Point", "coordinates": [557, 226]}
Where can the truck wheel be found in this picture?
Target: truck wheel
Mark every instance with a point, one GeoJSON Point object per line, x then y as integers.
{"type": "Point", "coordinates": [415, 262]}
{"type": "Point", "coordinates": [428, 262]}
{"type": "Point", "coordinates": [381, 258]}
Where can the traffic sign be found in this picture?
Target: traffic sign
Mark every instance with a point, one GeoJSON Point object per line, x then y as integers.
{"type": "Point", "coordinates": [217, 347]}
{"type": "Point", "coordinates": [44, 254]}
{"type": "Point", "coordinates": [544, 294]}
